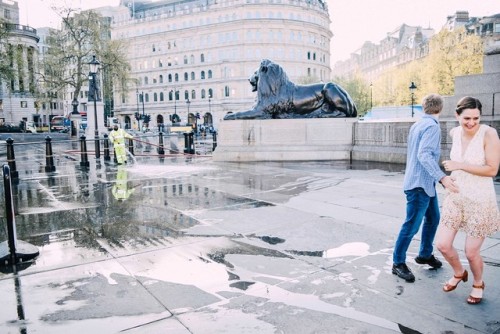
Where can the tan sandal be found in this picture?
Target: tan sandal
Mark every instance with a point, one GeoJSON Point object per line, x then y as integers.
{"type": "Point", "coordinates": [476, 300]}
{"type": "Point", "coordinates": [450, 287]}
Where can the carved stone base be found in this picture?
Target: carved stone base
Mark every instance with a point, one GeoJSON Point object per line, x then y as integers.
{"type": "Point", "coordinates": [285, 139]}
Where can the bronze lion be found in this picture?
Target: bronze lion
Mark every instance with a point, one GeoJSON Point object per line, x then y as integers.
{"type": "Point", "coordinates": [278, 97]}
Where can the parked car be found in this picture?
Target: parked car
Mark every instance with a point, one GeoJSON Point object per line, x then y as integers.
{"type": "Point", "coordinates": [10, 128]}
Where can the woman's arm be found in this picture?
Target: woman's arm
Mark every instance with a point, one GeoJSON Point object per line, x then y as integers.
{"type": "Point", "coordinates": [492, 157]}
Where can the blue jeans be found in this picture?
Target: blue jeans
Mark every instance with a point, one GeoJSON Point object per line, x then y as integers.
{"type": "Point", "coordinates": [419, 206]}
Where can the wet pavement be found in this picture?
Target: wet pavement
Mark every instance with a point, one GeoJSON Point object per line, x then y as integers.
{"type": "Point", "coordinates": [187, 245]}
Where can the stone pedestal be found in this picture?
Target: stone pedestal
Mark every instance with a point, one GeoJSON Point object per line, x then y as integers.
{"type": "Point", "coordinates": [285, 139]}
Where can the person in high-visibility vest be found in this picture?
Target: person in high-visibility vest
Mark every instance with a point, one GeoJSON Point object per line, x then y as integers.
{"type": "Point", "coordinates": [117, 137]}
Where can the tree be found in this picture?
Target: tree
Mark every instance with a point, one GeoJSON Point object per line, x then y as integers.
{"type": "Point", "coordinates": [358, 89]}
{"type": "Point", "coordinates": [6, 53]}
{"type": "Point", "coordinates": [452, 53]}
{"type": "Point", "coordinates": [82, 36]}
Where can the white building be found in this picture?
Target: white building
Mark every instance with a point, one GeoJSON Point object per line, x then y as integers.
{"type": "Point", "coordinates": [17, 96]}
{"type": "Point", "coordinates": [202, 52]}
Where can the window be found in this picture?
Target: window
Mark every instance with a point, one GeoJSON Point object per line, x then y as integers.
{"type": "Point", "coordinates": [210, 74]}
{"type": "Point", "coordinates": [202, 75]}
{"type": "Point", "coordinates": [226, 91]}
{"type": "Point", "coordinates": [185, 60]}
{"type": "Point", "coordinates": [146, 80]}
{"type": "Point", "coordinates": [203, 93]}
{"type": "Point", "coordinates": [202, 58]}
{"type": "Point", "coordinates": [24, 104]}
{"type": "Point", "coordinates": [161, 78]}
{"type": "Point", "coordinates": [210, 93]}
{"type": "Point", "coordinates": [170, 78]}
{"type": "Point", "coordinates": [193, 94]}
{"type": "Point", "coordinates": [186, 76]}
{"type": "Point", "coordinates": [186, 95]}
{"type": "Point", "coordinates": [155, 97]}
{"type": "Point", "coordinates": [161, 97]}
{"type": "Point", "coordinates": [176, 77]}
{"type": "Point", "coordinates": [192, 76]}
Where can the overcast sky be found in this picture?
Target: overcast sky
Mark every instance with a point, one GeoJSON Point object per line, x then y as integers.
{"type": "Point", "coordinates": [353, 21]}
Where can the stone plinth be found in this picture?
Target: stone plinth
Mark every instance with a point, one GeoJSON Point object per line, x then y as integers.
{"type": "Point", "coordinates": [285, 139]}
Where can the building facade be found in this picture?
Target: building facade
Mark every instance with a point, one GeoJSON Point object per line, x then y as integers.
{"type": "Point", "coordinates": [17, 94]}
{"type": "Point", "coordinates": [406, 44]}
{"type": "Point", "coordinates": [195, 57]}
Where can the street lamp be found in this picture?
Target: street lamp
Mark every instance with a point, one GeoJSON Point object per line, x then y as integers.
{"type": "Point", "coordinates": [371, 96]}
{"type": "Point", "coordinates": [94, 66]}
{"type": "Point", "coordinates": [75, 115]}
{"type": "Point", "coordinates": [412, 91]}
{"type": "Point", "coordinates": [142, 99]}
{"type": "Point", "coordinates": [137, 95]}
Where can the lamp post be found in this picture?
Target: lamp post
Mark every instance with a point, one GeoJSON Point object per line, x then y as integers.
{"type": "Point", "coordinates": [75, 115]}
{"type": "Point", "coordinates": [142, 99]}
{"type": "Point", "coordinates": [94, 65]}
{"type": "Point", "coordinates": [412, 91]}
{"type": "Point", "coordinates": [371, 96]}
{"type": "Point", "coordinates": [137, 95]}
{"type": "Point", "coordinates": [175, 101]}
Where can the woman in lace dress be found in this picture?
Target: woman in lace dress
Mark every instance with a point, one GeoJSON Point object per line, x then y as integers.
{"type": "Point", "coordinates": [474, 160]}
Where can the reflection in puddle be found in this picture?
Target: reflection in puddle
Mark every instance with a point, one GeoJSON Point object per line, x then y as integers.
{"type": "Point", "coordinates": [347, 249]}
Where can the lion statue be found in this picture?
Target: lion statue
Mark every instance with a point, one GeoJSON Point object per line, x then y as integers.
{"type": "Point", "coordinates": [278, 97]}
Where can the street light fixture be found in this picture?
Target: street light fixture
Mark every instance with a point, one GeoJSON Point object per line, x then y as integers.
{"type": "Point", "coordinates": [412, 91]}
{"type": "Point", "coordinates": [94, 66]}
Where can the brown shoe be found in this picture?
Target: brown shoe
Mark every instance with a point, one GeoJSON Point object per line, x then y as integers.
{"type": "Point", "coordinates": [476, 300]}
{"type": "Point", "coordinates": [450, 287]}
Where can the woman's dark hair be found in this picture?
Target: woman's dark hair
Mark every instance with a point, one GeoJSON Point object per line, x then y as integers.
{"type": "Point", "coordinates": [468, 102]}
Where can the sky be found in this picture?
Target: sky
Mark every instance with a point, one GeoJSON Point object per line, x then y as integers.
{"type": "Point", "coordinates": [353, 21]}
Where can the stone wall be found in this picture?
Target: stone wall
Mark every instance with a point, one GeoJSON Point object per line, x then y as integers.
{"type": "Point", "coordinates": [321, 139]}
{"type": "Point", "coordinates": [387, 141]}
{"type": "Point", "coordinates": [285, 139]}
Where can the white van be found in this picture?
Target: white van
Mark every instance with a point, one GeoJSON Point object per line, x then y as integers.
{"type": "Point", "coordinates": [31, 127]}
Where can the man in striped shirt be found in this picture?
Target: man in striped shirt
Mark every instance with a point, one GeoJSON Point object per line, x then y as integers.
{"type": "Point", "coordinates": [421, 175]}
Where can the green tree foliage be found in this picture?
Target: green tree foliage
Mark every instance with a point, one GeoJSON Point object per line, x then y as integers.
{"type": "Point", "coordinates": [452, 53]}
{"type": "Point", "coordinates": [6, 54]}
{"type": "Point", "coordinates": [359, 91]}
{"type": "Point", "coordinates": [82, 36]}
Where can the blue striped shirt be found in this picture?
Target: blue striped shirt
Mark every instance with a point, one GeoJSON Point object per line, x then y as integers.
{"type": "Point", "coordinates": [422, 157]}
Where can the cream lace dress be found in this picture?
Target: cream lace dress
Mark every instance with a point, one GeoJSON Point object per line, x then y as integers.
{"type": "Point", "coordinates": [474, 209]}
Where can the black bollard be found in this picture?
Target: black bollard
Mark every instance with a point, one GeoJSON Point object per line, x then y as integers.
{"type": "Point", "coordinates": [106, 148]}
{"type": "Point", "coordinates": [83, 149]}
{"type": "Point", "coordinates": [191, 143]}
{"type": "Point", "coordinates": [131, 146]}
{"type": "Point", "coordinates": [16, 250]}
{"type": "Point", "coordinates": [49, 158]}
{"type": "Point", "coordinates": [186, 142]}
{"type": "Point", "coordinates": [161, 149]}
{"type": "Point", "coordinates": [11, 159]}
{"type": "Point", "coordinates": [214, 136]}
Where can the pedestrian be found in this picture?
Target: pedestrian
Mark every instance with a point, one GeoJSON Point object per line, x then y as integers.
{"type": "Point", "coordinates": [421, 175]}
{"type": "Point", "coordinates": [117, 137]}
{"type": "Point", "coordinates": [474, 160]}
